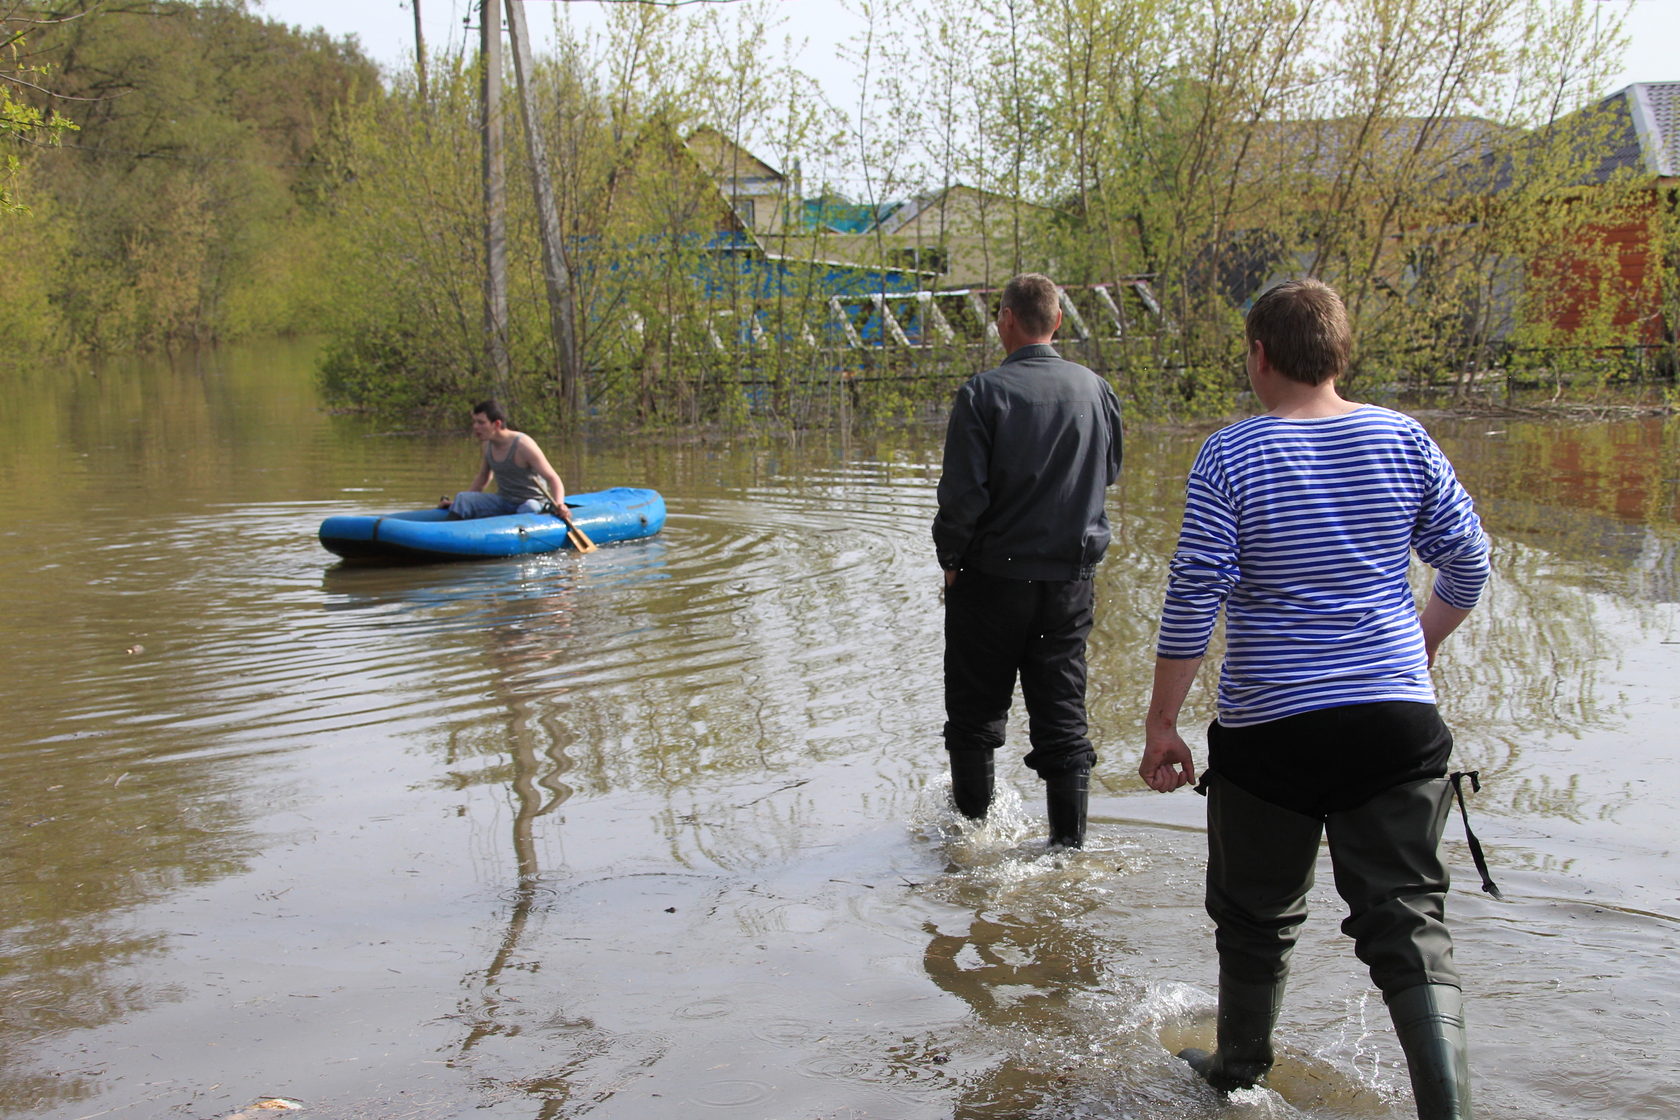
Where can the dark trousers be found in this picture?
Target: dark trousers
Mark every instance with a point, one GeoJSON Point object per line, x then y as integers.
{"type": "Point", "coordinates": [997, 629]}
{"type": "Point", "coordinates": [1384, 842]}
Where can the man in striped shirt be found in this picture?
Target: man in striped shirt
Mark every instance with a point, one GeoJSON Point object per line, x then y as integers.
{"type": "Point", "coordinates": [1301, 523]}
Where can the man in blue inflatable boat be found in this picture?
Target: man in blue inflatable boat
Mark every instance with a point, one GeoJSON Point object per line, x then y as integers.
{"type": "Point", "coordinates": [518, 465]}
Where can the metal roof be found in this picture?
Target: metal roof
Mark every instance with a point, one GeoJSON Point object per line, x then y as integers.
{"type": "Point", "coordinates": [1655, 111]}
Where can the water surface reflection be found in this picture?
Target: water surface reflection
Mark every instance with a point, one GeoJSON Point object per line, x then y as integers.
{"type": "Point", "coordinates": [661, 830]}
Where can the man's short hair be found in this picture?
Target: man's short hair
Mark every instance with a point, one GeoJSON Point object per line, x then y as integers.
{"type": "Point", "coordinates": [1035, 301]}
{"type": "Point", "coordinates": [1304, 328]}
{"type": "Point", "coordinates": [490, 410]}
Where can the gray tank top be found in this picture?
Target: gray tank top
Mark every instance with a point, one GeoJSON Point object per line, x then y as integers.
{"type": "Point", "coordinates": [513, 482]}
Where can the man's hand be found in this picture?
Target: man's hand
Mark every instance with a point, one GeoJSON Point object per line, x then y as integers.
{"type": "Point", "coordinates": [950, 576]}
{"type": "Point", "coordinates": [1166, 761]}
{"type": "Point", "coordinates": [1438, 620]}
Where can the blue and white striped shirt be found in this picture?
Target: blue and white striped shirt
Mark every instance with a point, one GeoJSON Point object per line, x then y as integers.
{"type": "Point", "coordinates": [1304, 530]}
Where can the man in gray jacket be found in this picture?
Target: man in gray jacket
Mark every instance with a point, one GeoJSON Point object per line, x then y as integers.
{"type": "Point", "coordinates": [1029, 451]}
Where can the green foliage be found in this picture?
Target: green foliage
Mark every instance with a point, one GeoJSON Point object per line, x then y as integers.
{"type": "Point", "coordinates": [1420, 154]}
{"type": "Point", "coordinates": [637, 215]}
{"type": "Point", "coordinates": [22, 122]}
{"type": "Point", "coordinates": [29, 323]}
{"type": "Point", "coordinates": [1429, 157]}
{"type": "Point", "coordinates": [185, 202]}
{"type": "Point", "coordinates": [403, 259]}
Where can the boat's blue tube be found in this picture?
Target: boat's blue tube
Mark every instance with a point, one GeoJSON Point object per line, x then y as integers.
{"type": "Point", "coordinates": [623, 513]}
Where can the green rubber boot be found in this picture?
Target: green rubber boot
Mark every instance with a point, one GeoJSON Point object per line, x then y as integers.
{"type": "Point", "coordinates": [1067, 795]}
{"type": "Point", "coordinates": [1429, 1018]}
{"type": "Point", "coordinates": [971, 783]}
{"type": "Point", "coordinates": [1247, 1014]}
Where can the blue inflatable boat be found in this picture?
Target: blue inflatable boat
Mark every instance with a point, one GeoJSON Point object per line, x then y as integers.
{"type": "Point", "coordinates": [624, 513]}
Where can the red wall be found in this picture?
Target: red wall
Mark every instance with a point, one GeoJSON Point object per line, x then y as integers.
{"type": "Point", "coordinates": [1575, 277]}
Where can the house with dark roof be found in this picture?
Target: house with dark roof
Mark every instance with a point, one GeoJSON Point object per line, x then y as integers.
{"type": "Point", "coordinates": [1645, 136]}
{"type": "Point", "coordinates": [1606, 280]}
{"type": "Point", "coordinates": [1634, 265]}
{"type": "Point", "coordinates": [1340, 172]}
{"type": "Point", "coordinates": [1609, 281]}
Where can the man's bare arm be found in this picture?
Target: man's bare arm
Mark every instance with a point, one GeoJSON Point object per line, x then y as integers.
{"type": "Point", "coordinates": [537, 462]}
{"type": "Point", "coordinates": [1166, 761]}
{"type": "Point", "coordinates": [1438, 620]}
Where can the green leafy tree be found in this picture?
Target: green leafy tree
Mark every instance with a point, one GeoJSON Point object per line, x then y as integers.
{"type": "Point", "coordinates": [187, 195]}
{"type": "Point", "coordinates": [23, 122]}
{"type": "Point", "coordinates": [1427, 156]}
{"type": "Point", "coordinates": [1424, 155]}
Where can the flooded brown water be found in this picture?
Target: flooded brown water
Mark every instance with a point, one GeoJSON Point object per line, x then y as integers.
{"type": "Point", "coordinates": [661, 831]}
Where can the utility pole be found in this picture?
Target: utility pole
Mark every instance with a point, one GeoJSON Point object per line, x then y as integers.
{"type": "Point", "coordinates": [562, 313]}
{"type": "Point", "coordinates": [495, 196]}
{"type": "Point", "coordinates": [419, 54]}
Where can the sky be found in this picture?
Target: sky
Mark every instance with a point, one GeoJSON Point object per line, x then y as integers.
{"type": "Point", "coordinates": [386, 27]}
{"type": "Point", "coordinates": [386, 31]}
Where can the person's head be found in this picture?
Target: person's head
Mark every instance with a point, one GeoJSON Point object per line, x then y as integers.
{"type": "Point", "coordinates": [1030, 310]}
{"type": "Point", "coordinates": [1302, 329]}
{"type": "Point", "coordinates": [488, 419]}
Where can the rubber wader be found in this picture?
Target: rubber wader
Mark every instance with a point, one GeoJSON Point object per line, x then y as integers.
{"type": "Point", "coordinates": [1386, 854]}
{"type": "Point", "coordinates": [1260, 867]}
{"type": "Point", "coordinates": [1247, 1014]}
{"type": "Point", "coordinates": [971, 783]}
{"type": "Point", "coordinates": [1068, 794]}
{"type": "Point", "coordinates": [1429, 1018]}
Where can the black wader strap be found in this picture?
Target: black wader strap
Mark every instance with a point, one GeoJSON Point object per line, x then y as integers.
{"type": "Point", "coordinates": [1457, 780]}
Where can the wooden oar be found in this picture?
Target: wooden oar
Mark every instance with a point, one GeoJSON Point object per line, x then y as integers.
{"type": "Point", "coordinates": [580, 540]}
